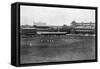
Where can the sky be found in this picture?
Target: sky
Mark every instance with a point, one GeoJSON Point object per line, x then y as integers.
{"type": "Point", "coordinates": [54, 15]}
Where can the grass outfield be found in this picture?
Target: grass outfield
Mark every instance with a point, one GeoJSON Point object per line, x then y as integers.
{"type": "Point", "coordinates": [39, 49]}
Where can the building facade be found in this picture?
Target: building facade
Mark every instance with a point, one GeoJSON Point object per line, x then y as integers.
{"type": "Point", "coordinates": [88, 28]}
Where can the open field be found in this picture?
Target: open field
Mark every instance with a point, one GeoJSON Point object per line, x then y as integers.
{"type": "Point", "coordinates": [39, 49]}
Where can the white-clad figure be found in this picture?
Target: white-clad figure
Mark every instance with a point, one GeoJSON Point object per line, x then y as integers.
{"type": "Point", "coordinates": [30, 44]}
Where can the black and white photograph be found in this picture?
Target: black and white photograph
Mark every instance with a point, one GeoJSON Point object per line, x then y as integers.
{"type": "Point", "coordinates": [56, 34]}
